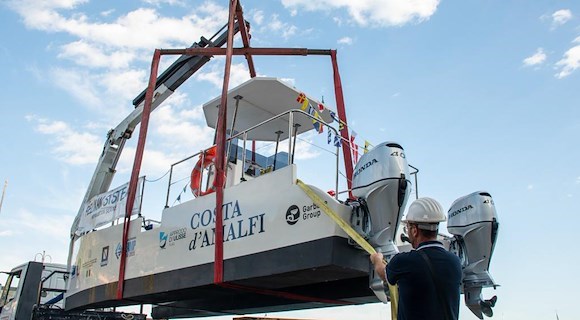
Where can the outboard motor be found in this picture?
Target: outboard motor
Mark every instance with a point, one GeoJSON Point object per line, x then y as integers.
{"type": "Point", "coordinates": [472, 220]}
{"type": "Point", "coordinates": [381, 180]}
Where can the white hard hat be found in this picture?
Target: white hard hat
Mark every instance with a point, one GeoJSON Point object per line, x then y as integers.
{"type": "Point", "coordinates": [425, 211]}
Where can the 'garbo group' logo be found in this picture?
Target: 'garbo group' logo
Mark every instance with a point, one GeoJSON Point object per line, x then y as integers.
{"type": "Point", "coordinates": [292, 214]}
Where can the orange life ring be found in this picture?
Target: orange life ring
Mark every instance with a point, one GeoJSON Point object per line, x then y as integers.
{"type": "Point", "coordinates": [207, 157]}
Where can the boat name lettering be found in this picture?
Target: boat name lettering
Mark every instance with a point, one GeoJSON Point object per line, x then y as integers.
{"type": "Point", "coordinates": [460, 210]}
{"type": "Point", "coordinates": [206, 217]}
{"type": "Point", "coordinates": [232, 230]}
{"type": "Point", "coordinates": [364, 166]}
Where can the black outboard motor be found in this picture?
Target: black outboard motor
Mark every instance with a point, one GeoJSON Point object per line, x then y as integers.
{"type": "Point", "coordinates": [472, 220]}
{"type": "Point", "coordinates": [381, 180]}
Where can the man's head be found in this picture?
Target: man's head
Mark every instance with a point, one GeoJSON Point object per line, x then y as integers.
{"type": "Point", "coordinates": [422, 220]}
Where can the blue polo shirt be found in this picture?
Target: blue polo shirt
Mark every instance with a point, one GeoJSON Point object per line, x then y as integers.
{"type": "Point", "coordinates": [417, 294]}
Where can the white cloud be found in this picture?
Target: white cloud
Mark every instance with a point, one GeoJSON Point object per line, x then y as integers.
{"type": "Point", "coordinates": [6, 233]}
{"type": "Point", "coordinates": [40, 223]}
{"type": "Point", "coordinates": [95, 56]}
{"type": "Point", "coordinates": [123, 85]}
{"type": "Point", "coordinates": [537, 58]}
{"type": "Point", "coordinates": [158, 3]}
{"type": "Point", "coordinates": [141, 28]}
{"type": "Point", "coordinates": [258, 17]}
{"type": "Point", "coordinates": [238, 74]}
{"type": "Point", "coordinates": [530, 186]}
{"type": "Point", "coordinates": [290, 81]}
{"type": "Point", "coordinates": [345, 40]}
{"type": "Point", "coordinates": [78, 84]}
{"type": "Point", "coordinates": [179, 128]}
{"type": "Point", "coordinates": [107, 93]}
{"type": "Point", "coordinates": [304, 149]}
{"type": "Point", "coordinates": [107, 12]}
{"type": "Point", "coordinates": [373, 12]}
{"type": "Point", "coordinates": [69, 146]}
{"type": "Point", "coordinates": [290, 31]}
{"type": "Point", "coordinates": [560, 17]}
{"type": "Point", "coordinates": [118, 43]}
{"type": "Point", "coordinates": [278, 26]}
{"type": "Point", "coordinates": [578, 180]}
{"type": "Point", "coordinates": [570, 62]}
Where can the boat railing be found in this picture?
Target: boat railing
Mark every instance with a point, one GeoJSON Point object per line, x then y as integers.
{"type": "Point", "coordinates": [232, 142]}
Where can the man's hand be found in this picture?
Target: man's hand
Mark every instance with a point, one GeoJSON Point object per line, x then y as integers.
{"type": "Point", "coordinates": [379, 265]}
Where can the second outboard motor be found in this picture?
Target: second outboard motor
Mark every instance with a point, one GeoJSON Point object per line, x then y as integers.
{"type": "Point", "coordinates": [472, 219]}
{"type": "Point", "coordinates": [381, 179]}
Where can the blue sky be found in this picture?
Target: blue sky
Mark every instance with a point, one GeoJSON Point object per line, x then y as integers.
{"type": "Point", "coordinates": [482, 95]}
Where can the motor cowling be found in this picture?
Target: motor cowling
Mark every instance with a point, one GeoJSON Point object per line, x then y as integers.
{"type": "Point", "coordinates": [472, 220]}
{"type": "Point", "coordinates": [381, 179]}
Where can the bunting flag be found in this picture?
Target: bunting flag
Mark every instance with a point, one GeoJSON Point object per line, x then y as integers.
{"type": "Point", "coordinates": [301, 98]}
{"type": "Point", "coordinates": [182, 192]}
{"type": "Point", "coordinates": [316, 124]}
{"type": "Point", "coordinates": [366, 148]}
{"type": "Point", "coordinates": [353, 146]}
{"type": "Point", "coordinates": [334, 116]}
{"type": "Point", "coordinates": [337, 141]}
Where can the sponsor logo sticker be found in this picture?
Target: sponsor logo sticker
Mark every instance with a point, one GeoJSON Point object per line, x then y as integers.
{"type": "Point", "coordinates": [292, 214]}
{"type": "Point", "coordinates": [169, 239]}
{"type": "Point", "coordinates": [105, 256]}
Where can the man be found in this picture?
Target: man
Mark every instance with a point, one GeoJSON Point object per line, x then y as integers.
{"type": "Point", "coordinates": [419, 296]}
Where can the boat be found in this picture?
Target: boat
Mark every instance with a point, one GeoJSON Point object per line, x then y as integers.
{"type": "Point", "coordinates": [256, 235]}
{"type": "Point", "coordinates": [275, 238]}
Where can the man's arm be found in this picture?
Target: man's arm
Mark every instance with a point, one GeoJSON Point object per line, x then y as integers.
{"type": "Point", "coordinates": [379, 265]}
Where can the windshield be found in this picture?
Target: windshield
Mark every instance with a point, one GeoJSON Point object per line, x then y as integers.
{"type": "Point", "coordinates": [10, 287]}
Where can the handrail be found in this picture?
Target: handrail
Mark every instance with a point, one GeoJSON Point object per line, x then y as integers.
{"type": "Point", "coordinates": [243, 134]}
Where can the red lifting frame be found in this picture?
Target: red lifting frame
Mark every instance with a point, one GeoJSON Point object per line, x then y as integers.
{"type": "Point", "coordinates": [235, 11]}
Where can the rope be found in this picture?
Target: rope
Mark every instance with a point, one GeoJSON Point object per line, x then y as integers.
{"type": "Point", "coordinates": [155, 180]}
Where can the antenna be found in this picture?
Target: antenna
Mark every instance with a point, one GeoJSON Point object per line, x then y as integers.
{"type": "Point", "coordinates": [3, 192]}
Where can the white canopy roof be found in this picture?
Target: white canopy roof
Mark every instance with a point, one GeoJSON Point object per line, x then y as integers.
{"type": "Point", "coordinates": [262, 99]}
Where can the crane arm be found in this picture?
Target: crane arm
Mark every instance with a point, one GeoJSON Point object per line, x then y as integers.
{"type": "Point", "coordinates": [183, 68]}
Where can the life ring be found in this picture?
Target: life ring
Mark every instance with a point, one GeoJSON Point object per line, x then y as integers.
{"type": "Point", "coordinates": [205, 160]}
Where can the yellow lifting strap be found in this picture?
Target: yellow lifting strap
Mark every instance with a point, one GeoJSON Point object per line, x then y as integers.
{"type": "Point", "coordinates": [393, 290]}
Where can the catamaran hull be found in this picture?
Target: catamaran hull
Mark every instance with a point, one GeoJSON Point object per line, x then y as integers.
{"type": "Point", "coordinates": [275, 239]}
